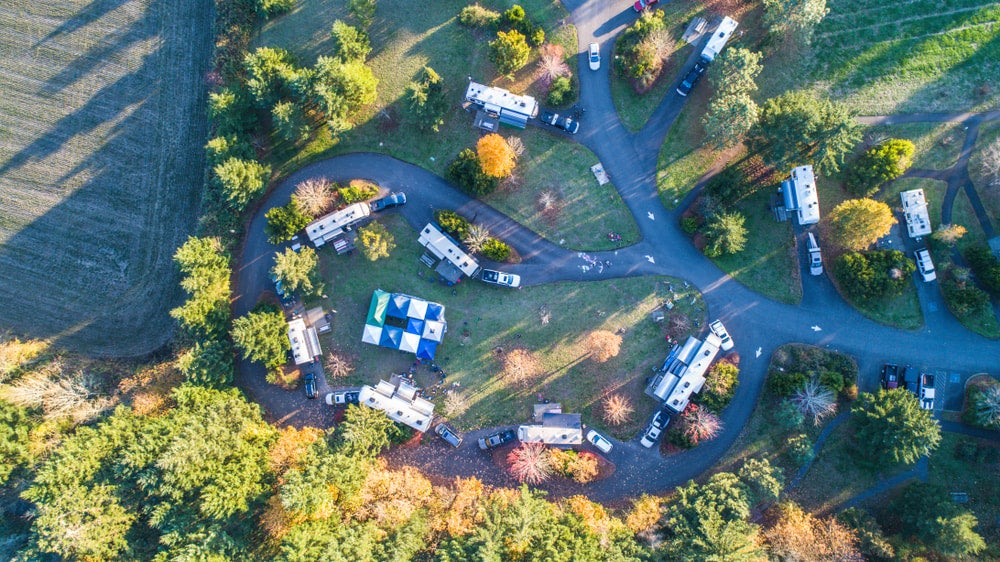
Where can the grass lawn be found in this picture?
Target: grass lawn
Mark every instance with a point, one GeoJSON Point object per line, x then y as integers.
{"type": "Point", "coordinates": [634, 109]}
{"type": "Point", "coordinates": [482, 317]}
{"type": "Point", "coordinates": [587, 212]}
{"type": "Point", "coordinates": [937, 144]}
{"type": "Point", "coordinates": [683, 158]}
{"type": "Point", "coordinates": [988, 134]}
{"type": "Point", "coordinates": [769, 264]}
{"type": "Point", "coordinates": [976, 477]}
{"type": "Point", "coordinates": [102, 128]}
{"type": "Point", "coordinates": [918, 55]}
{"type": "Point", "coordinates": [404, 41]}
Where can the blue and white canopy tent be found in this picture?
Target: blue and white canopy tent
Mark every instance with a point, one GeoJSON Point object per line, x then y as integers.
{"type": "Point", "coordinates": [406, 323]}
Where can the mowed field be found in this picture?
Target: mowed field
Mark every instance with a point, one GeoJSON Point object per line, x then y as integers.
{"type": "Point", "coordinates": [910, 56]}
{"type": "Point", "coordinates": [101, 165]}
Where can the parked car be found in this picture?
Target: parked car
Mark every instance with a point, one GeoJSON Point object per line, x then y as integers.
{"type": "Point", "coordinates": [815, 257]}
{"type": "Point", "coordinates": [599, 441]}
{"type": "Point", "coordinates": [343, 397]}
{"type": "Point", "coordinates": [924, 264]}
{"type": "Point", "coordinates": [926, 391]}
{"type": "Point", "coordinates": [641, 5]}
{"type": "Point", "coordinates": [497, 439]}
{"type": "Point", "coordinates": [500, 278]}
{"type": "Point", "coordinates": [594, 56]}
{"type": "Point", "coordinates": [655, 428]}
{"type": "Point", "coordinates": [890, 376]}
{"type": "Point", "coordinates": [567, 124]}
{"type": "Point", "coordinates": [911, 380]}
{"type": "Point", "coordinates": [449, 434]}
{"type": "Point", "coordinates": [720, 330]}
{"type": "Point", "coordinates": [387, 202]}
{"type": "Point", "coordinates": [310, 385]}
{"type": "Point", "coordinates": [687, 84]}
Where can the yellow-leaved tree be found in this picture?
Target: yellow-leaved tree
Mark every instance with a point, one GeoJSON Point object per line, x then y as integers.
{"type": "Point", "coordinates": [496, 157]}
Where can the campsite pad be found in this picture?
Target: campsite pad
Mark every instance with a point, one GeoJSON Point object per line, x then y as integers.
{"type": "Point", "coordinates": [600, 174]}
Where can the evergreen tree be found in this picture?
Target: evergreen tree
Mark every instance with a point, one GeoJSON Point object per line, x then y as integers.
{"type": "Point", "coordinates": [242, 181]}
{"type": "Point", "coordinates": [209, 363]}
{"type": "Point", "coordinates": [285, 222]}
{"type": "Point", "coordinates": [859, 223]}
{"type": "Point", "coordinates": [205, 269]}
{"type": "Point", "coordinates": [298, 271]}
{"type": "Point", "coordinates": [509, 51]}
{"type": "Point", "coordinates": [726, 234]}
{"type": "Point", "coordinates": [427, 100]}
{"type": "Point", "coordinates": [892, 428]}
{"type": "Point", "coordinates": [350, 44]}
{"type": "Point", "coordinates": [262, 336]}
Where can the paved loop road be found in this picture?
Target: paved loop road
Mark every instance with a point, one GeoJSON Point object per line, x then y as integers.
{"type": "Point", "coordinates": [753, 320]}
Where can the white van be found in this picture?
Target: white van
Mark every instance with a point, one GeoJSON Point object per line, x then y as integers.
{"type": "Point", "coordinates": [924, 264]}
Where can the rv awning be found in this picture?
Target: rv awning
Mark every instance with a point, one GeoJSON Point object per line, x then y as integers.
{"type": "Point", "coordinates": [448, 271]}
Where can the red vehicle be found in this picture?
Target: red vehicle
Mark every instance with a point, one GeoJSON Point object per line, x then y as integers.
{"type": "Point", "coordinates": [641, 5]}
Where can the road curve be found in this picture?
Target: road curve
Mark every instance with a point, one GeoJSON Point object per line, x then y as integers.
{"type": "Point", "coordinates": [759, 325]}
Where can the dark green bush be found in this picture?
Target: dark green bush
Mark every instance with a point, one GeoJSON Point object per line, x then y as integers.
{"type": "Point", "coordinates": [874, 275]}
{"type": "Point", "coordinates": [963, 299]}
{"type": "Point", "coordinates": [285, 222]}
{"type": "Point", "coordinates": [466, 172]}
{"type": "Point", "coordinates": [452, 223]}
{"type": "Point", "coordinates": [495, 250]}
{"type": "Point", "coordinates": [785, 383]}
{"type": "Point", "coordinates": [832, 380]}
{"type": "Point", "coordinates": [884, 162]}
{"type": "Point", "coordinates": [985, 266]}
{"type": "Point", "coordinates": [689, 225]}
{"type": "Point", "coordinates": [561, 90]}
{"type": "Point", "coordinates": [357, 192]}
{"type": "Point", "coordinates": [800, 449]}
{"type": "Point", "coordinates": [788, 416]}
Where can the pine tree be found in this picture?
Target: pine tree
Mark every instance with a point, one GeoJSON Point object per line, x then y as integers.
{"type": "Point", "coordinates": [892, 428]}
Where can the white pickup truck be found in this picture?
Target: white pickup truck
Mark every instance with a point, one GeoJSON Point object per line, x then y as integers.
{"type": "Point", "coordinates": [494, 277]}
{"type": "Point", "coordinates": [926, 391]}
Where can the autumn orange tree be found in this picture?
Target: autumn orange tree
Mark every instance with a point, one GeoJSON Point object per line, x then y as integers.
{"type": "Point", "coordinates": [603, 345]}
{"type": "Point", "coordinates": [496, 158]}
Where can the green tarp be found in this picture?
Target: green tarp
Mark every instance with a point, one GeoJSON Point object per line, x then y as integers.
{"type": "Point", "coordinates": [376, 311]}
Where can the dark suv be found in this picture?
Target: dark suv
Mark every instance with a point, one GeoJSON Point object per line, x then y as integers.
{"type": "Point", "coordinates": [567, 124]}
{"type": "Point", "coordinates": [449, 434]}
{"type": "Point", "coordinates": [310, 385]}
{"type": "Point", "coordinates": [389, 201]}
{"type": "Point", "coordinates": [691, 79]}
{"type": "Point", "coordinates": [890, 376]}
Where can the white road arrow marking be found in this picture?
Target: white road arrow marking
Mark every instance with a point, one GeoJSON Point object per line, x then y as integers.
{"type": "Point", "coordinates": [817, 329]}
{"type": "Point", "coordinates": [759, 351]}
{"type": "Point", "coordinates": [650, 215]}
{"type": "Point", "coordinates": [650, 259]}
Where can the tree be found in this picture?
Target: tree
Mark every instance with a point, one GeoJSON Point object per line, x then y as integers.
{"type": "Point", "coordinates": [314, 196]}
{"type": "Point", "coordinates": [341, 89]}
{"type": "Point", "coordinates": [763, 481]}
{"type": "Point", "coordinates": [720, 386]}
{"type": "Point", "coordinates": [796, 127]}
{"type": "Point", "coordinates": [274, 7]}
{"type": "Point", "coordinates": [927, 512]}
{"type": "Point", "coordinates": [362, 10]}
{"type": "Point", "coordinates": [726, 234]}
{"type": "Point", "coordinates": [857, 223]}
{"type": "Point", "coordinates": [530, 463]}
{"type": "Point", "coordinates": [290, 121]}
{"type": "Point", "coordinates": [495, 250]}
{"type": "Point", "coordinates": [83, 523]}
{"type": "Point", "coordinates": [603, 345]}
{"type": "Point", "coordinates": [350, 44]}
{"type": "Point", "coordinates": [519, 366]}
{"type": "Point", "coordinates": [892, 428]}
{"type": "Point", "coordinates": [800, 449]}
{"type": "Point", "coordinates": [466, 172]}
{"type": "Point", "coordinates": [797, 535]}
{"type": "Point", "coordinates": [645, 513]}
{"type": "Point", "coordinates": [698, 424]}
{"type": "Point", "coordinates": [788, 416]}
{"type": "Point", "coordinates": [949, 234]}
{"type": "Point", "coordinates": [795, 19]}
{"type": "Point", "coordinates": [270, 73]}
{"type": "Point", "coordinates": [729, 118]}
{"type": "Point", "coordinates": [365, 432]}
{"type": "Point", "coordinates": [285, 222]}
{"type": "Point", "coordinates": [298, 270]}
{"type": "Point", "coordinates": [231, 111]}
{"type": "Point", "coordinates": [205, 269]}
{"type": "Point", "coordinates": [509, 51]}
{"type": "Point", "coordinates": [871, 541]}
{"type": "Point", "coordinates": [879, 164]}
{"type": "Point", "coordinates": [735, 71]}
{"type": "Point", "coordinates": [427, 100]}
{"type": "Point", "coordinates": [617, 409]}
{"type": "Point", "coordinates": [815, 400]}
{"type": "Point", "coordinates": [222, 148]}
{"type": "Point", "coordinates": [709, 522]}
{"type": "Point", "coordinates": [986, 406]}
{"type": "Point", "coordinates": [262, 336]}
{"type": "Point", "coordinates": [15, 451]}
{"type": "Point", "coordinates": [476, 237]}
{"type": "Point", "coordinates": [496, 159]}
{"type": "Point", "coordinates": [376, 241]}
{"type": "Point", "coordinates": [209, 363]}
{"type": "Point", "coordinates": [551, 64]}
{"type": "Point", "coordinates": [242, 181]}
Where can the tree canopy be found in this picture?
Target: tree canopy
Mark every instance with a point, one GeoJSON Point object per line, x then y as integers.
{"type": "Point", "coordinates": [856, 224]}
{"type": "Point", "coordinates": [262, 336]}
{"type": "Point", "coordinates": [205, 269]}
{"type": "Point", "coordinates": [496, 158]}
{"type": "Point", "coordinates": [376, 241]}
{"type": "Point", "coordinates": [892, 428]}
{"type": "Point", "coordinates": [509, 51]}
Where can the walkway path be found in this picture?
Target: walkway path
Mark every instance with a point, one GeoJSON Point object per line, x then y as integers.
{"type": "Point", "coordinates": [755, 321]}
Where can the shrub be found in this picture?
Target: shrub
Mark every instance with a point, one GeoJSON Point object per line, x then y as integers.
{"type": "Point", "coordinates": [720, 386]}
{"type": "Point", "coordinates": [639, 58]}
{"type": "Point", "coordinates": [530, 463]}
{"type": "Point", "coordinates": [376, 241]}
{"type": "Point", "coordinates": [832, 380]}
{"type": "Point", "coordinates": [986, 267]}
{"type": "Point", "coordinates": [357, 192]}
{"type": "Point", "coordinates": [617, 409]}
{"type": "Point", "coordinates": [884, 162]}
{"type": "Point", "coordinates": [466, 172]}
{"type": "Point", "coordinates": [874, 275]}
{"type": "Point", "coordinates": [496, 250]}
{"type": "Point", "coordinates": [580, 466]}
{"type": "Point", "coordinates": [982, 406]}
{"type": "Point", "coordinates": [964, 299]}
{"type": "Point", "coordinates": [509, 51]}
{"type": "Point", "coordinates": [856, 224]}
{"type": "Point", "coordinates": [603, 345]}
{"type": "Point", "coordinates": [788, 416]}
{"type": "Point", "coordinates": [478, 16]}
{"type": "Point", "coordinates": [800, 449]}
{"type": "Point", "coordinates": [453, 223]}
{"type": "Point", "coordinates": [561, 90]}
{"type": "Point", "coordinates": [815, 400]}
{"type": "Point", "coordinates": [689, 225]}
{"type": "Point", "coordinates": [785, 383]}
